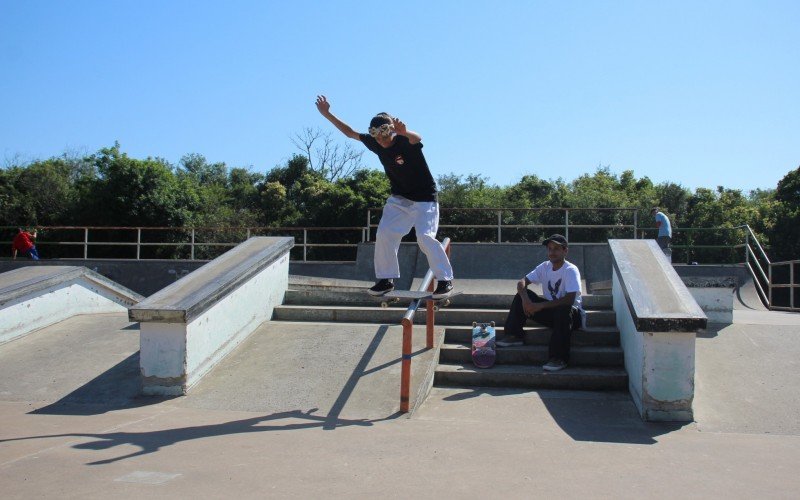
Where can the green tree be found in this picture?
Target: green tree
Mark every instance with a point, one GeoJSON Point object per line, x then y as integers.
{"type": "Point", "coordinates": [785, 233]}
{"type": "Point", "coordinates": [131, 192]}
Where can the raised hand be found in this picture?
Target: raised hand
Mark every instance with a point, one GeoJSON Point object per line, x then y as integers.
{"type": "Point", "coordinates": [323, 105]}
{"type": "Point", "coordinates": [399, 126]}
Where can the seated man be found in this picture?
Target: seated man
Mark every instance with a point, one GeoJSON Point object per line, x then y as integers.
{"type": "Point", "coordinates": [560, 308]}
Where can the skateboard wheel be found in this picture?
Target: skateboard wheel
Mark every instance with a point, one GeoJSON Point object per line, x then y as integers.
{"type": "Point", "coordinates": [446, 302]}
{"type": "Point", "coordinates": [435, 308]}
{"type": "Point", "coordinates": [492, 324]}
{"type": "Point", "coordinates": [384, 304]}
{"type": "Point", "coordinates": [474, 324]}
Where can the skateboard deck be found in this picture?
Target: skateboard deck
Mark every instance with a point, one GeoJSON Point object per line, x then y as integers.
{"type": "Point", "coordinates": [409, 295]}
{"type": "Point", "coordinates": [483, 346]}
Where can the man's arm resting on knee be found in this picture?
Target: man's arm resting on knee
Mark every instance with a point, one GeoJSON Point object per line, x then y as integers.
{"type": "Point", "coordinates": [522, 290]}
{"type": "Point", "coordinates": [566, 300]}
{"type": "Point", "coordinates": [531, 307]}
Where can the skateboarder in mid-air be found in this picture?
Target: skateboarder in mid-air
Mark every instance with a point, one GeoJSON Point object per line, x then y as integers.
{"type": "Point", "coordinates": [413, 202]}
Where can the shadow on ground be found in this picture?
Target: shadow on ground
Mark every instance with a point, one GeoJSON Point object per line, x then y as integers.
{"type": "Point", "coordinates": [712, 331]}
{"type": "Point", "coordinates": [153, 441]}
{"type": "Point", "coordinates": [606, 417]}
{"type": "Point", "coordinates": [117, 388]}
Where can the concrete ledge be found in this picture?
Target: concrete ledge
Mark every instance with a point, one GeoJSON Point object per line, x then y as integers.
{"type": "Point", "coordinates": [655, 294]}
{"type": "Point", "coordinates": [34, 297]}
{"type": "Point", "coordinates": [657, 318]}
{"type": "Point", "coordinates": [192, 324]}
{"type": "Point", "coordinates": [193, 294]}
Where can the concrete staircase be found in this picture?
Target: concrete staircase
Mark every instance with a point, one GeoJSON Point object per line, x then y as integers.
{"type": "Point", "coordinates": [597, 359]}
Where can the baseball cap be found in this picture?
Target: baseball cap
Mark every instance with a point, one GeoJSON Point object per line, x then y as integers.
{"type": "Point", "coordinates": [557, 238]}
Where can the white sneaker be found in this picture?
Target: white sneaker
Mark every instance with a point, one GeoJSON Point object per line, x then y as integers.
{"type": "Point", "coordinates": [509, 341]}
{"type": "Point", "coordinates": [554, 365]}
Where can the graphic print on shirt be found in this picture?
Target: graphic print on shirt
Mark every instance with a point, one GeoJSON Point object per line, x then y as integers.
{"type": "Point", "coordinates": [399, 159]}
{"type": "Point", "coordinates": [554, 291]}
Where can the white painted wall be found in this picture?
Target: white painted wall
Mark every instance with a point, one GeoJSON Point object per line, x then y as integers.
{"type": "Point", "coordinates": [162, 358]}
{"type": "Point", "coordinates": [631, 342]}
{"type": "Point", "coordinates": [42, 308]}
{"type": "Point", "coordinates": [176, 356]}
{"type": "Point", "coordinates": [660, 365]}
{"type": "Point", "coordinates": [225, 325]}
{"type": "Point", "coordinates": [717, 303]}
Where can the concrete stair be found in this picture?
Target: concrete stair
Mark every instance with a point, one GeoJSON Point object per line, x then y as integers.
{"type": "Point", "coordinates": [531, 377]}
{"type": "Point", "coordinates": [392, 315]}
{"type": "Point", "coordinates": [535, 355]}
{"type": "Point", "coordinates": [311, 295]}
{"type": "Point", "coordinates": [596, 363]}
{"type": "Point", "coordinates": [597, 359]}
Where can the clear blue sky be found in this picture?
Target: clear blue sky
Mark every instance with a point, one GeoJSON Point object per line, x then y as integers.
{"type": "Point", "coordinates": [699, 93]}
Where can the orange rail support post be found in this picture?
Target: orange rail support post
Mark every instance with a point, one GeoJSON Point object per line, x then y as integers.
{"type": "Point", "coordinates": [408, 326]}
{"type": "Point", "coordinates": [405, 365]}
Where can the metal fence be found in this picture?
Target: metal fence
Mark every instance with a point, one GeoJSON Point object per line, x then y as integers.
{"type": "Point", "coordinates": [775, 282]}
{"type": "Point", "coordinates": [191, 243]}
{"type": "Point", "coordinates": [526, 224]}
{"type": "Point", "coordinates": [782, 279]}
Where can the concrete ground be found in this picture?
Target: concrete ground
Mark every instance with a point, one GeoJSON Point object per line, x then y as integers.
{"type": "Point", "coordinates": [328, 428]}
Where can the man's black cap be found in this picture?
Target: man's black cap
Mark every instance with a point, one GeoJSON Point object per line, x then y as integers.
{"type": "Point", "coordinates": [557, 238]}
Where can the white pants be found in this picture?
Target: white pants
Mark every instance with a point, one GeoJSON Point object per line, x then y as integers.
{"type": "Point", "coordinates": [399, 216]}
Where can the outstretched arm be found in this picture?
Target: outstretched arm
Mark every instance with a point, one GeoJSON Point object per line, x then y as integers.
{"type": "Point", "coordinates": [400, 129]}
{"type": "Point", "coordinates": [324, 108]}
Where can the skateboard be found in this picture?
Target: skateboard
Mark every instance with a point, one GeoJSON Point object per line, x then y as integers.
{"type": "Point", "coordinates": [398, 295]}
{"type": "Point", "coordinates": [483, 347]}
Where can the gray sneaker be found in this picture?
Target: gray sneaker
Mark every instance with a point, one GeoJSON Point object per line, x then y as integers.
{"type": "Point", "coordinates": [509, 341]}
{"type": "Point", "coordinates": [554, 365]}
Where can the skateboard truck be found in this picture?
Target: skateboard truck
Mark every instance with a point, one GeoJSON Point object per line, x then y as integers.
{"type": "Point", "coordinates": [395, 296]}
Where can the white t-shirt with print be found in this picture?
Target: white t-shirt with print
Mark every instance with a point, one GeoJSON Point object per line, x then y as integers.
{"type": "Point", "coordinates": [556, 284]}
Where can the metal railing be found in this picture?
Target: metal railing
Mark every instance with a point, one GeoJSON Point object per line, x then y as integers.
{"type": "Point", "coordinates": [88, 237]}
{"type": "Point", "coordinates": [195, 243]}
{"type": "Point", "coordinates": [499, 225]}
{"type": "Point", "coordinates": [757, 261]}
{"type": "Point", "coordinates": [408, 330]}
{"type": "Point", "coordinates": [767, 275]}
{"type": "Point", "coordinates": [791, 286]}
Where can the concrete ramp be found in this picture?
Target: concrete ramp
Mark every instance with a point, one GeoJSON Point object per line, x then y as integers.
{"type": "Point", "coordinates": [85, 360]}
{"type": "Point", "coordinates": [746, 297]}
{"type": "Point", "coordinates": [340, 371]}
{"type": "Point", "coordinates": [38, 296]}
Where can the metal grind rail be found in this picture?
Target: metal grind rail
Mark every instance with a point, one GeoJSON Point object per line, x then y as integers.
{"type": "Point", "coordinates": [408, 329]}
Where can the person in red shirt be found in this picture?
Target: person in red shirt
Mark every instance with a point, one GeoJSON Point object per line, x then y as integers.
{"type": "Point", "coordinates": [23, 243]}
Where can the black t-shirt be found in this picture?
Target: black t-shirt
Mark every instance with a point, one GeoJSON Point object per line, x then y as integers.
{"type": "Point", "coordinates": [405, 166]}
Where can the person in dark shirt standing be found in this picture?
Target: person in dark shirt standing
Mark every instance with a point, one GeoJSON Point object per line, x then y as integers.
{"type": "Point", "coordinates": [413, 202]}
